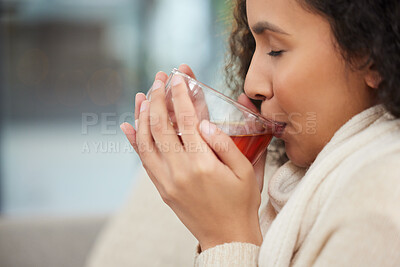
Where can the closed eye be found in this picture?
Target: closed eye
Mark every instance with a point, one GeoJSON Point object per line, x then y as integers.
{"type": "Point", "coordinates": [275, 53]}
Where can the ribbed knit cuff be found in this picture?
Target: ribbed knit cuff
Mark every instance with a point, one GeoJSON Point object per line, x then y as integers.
{"type": "Point", "coordinates": [228, 255]}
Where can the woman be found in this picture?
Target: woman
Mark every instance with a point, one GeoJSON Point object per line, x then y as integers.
{"type": "Point", "coordinates": [336, 201]}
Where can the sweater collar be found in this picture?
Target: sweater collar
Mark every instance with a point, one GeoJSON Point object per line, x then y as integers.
{"type": "Point", "coordinates": [285, 180]}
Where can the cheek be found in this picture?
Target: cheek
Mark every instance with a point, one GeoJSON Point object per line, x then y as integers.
{"type": "Point", "coordinates": [307, 86]}
{"type": "Point", "coordinates": [305, 82]}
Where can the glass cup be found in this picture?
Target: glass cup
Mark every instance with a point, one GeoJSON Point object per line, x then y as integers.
{"type": "Point", "coordinates": [251, 132]}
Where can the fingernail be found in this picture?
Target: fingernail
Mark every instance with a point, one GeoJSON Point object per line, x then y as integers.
{"type": "Point", "coordinates": [207, 128]}
{"type": "Point", "coordinates": [143, 107]}
{"type": "Point", "coordinates": [136, 124]}
{"type": "Point", "coordinates": [136, 97]}
{"type": "Point", "coordinates": [176, 80]}
{"type": "Point", "coordinates": [156, 85]}
{"type": "Point", "coordinates": [123, 127]}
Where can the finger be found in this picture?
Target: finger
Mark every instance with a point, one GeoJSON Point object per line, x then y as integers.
{"type": "Point", "coordinates": [200, 104]}
{"type": "Point", "coordinates": [224, 147]}
{"type": "Point", "coordinates": [184, 68]}
{"type": "Point", "coordinates": [140, 97]}
{"type": "Point", "coordinates": [198, 99]}
{"type": "Point", "coordinates": [185, 114]}
{"type": "Point", "coordinates": [187, 70]}
{"type": "Point", "coordinates": [130, 133]}
{"type": "Point", "coordinates": [152, 161]}
{"type": "Point", "coordinates": [144, 140]}
{"type": "Point", "coordinates": [161, 129]}
{"type": "Point", "coordinates": [162, 76]}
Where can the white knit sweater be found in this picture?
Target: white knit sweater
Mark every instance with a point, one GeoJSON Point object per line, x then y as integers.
{"type": "Point", "coordinates": [344, 210]}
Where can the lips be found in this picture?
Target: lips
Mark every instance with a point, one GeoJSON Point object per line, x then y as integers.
{"type": "Point", "coordinates": [279, 126]}
{"type": "Point", "coordinates": [279, 129]}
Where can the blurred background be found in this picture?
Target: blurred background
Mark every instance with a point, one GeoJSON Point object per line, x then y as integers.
{"type": "Point", "coordinates": [69, 72]}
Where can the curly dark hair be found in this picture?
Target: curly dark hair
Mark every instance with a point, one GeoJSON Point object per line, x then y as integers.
{"type": "Point", "coordinates": [362, 29]}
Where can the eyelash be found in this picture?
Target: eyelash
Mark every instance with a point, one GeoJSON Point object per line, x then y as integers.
{"type": "Point", "coordinates": [275, 53]}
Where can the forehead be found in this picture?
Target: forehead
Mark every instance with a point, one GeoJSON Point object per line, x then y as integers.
{"type": "Point", "coordinates": [287, 14]}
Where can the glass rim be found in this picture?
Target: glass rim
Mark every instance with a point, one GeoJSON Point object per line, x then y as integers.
{"type": "Point", "coordinates": [228, 99]}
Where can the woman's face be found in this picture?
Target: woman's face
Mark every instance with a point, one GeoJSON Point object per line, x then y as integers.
{"type": "Point", "coordinates": [307, 85]}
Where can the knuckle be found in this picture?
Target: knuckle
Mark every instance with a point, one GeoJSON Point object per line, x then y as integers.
{"type": "Point", "coordinates": [221, 145]}
{"type": "Point", "coordinates": [165, 198]}
{"type": "Point", "coordinates": [169, 194]}
{"type": "Point", "coordinates": [180, 180]}
{"type": "Point", "coordinates": [202, 169]}
{"type": "Point", "coordinates": [157, 127]}
{"type": "Point", "coordinates": [154, 119]}
{"type": "Point", "coordinates": [144, 160]}
{"type": "Point", "coordinates": [179, 91]}
{"type": "Point", "coordinates": [156, 95]}
{"type": "Point", "coordinates": [146, 155]}
{"type": "Point", "coordinates": [180, 184]}
{"type": "Point", "coordinates": [218, 136]}
{"type": "Point", "coordinates": [143, 149]}
{"type": "Point", "coordinates": [248, 170]}
{"type": "Point", "coordinates": [187, 118]}
{"type": "Point", "coordinates": [179, 176]}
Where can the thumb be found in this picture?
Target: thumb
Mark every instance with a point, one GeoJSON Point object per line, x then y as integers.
{"type": "Point", "coordinates": [187, 70]}
{"type": "Point", "coordinates": [224, 147]}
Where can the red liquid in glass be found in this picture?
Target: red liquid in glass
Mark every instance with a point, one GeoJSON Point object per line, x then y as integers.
{"type": "Point", "coordinates": [252, 145]}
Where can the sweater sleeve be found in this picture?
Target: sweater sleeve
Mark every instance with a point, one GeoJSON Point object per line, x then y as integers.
{"type": "Point", "coordinates": [228, 255]}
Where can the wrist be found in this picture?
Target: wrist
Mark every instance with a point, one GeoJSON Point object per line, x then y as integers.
{"type": "Point", "coordinates": [253, 238]}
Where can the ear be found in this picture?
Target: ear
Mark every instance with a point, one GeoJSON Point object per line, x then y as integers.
{"type": "Point", "coordinates": [372, 77]}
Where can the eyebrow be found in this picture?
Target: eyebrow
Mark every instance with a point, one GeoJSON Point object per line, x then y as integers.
{"type": "Point", "coordinates": [262, 26]}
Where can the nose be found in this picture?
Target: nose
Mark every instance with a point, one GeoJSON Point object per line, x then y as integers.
{"type": "Point", "coordinates": [258, 83]}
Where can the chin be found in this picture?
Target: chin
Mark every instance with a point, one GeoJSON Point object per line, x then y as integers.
{"type": "Point", "coordinates": [297, 156]}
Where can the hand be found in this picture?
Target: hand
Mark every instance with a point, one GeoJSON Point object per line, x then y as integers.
{"type": "Point", "coordinates": [127, 128]}
{"type": "Point", "coordinates": [196, 96]}
{"type": "Point", "coordinates": [206, 180]}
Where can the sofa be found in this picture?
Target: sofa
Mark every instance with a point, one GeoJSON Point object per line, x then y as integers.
{"type": "Point", "coordinates": [48, 242]}
{"type": "Point", "coordinates": [144, 232]}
